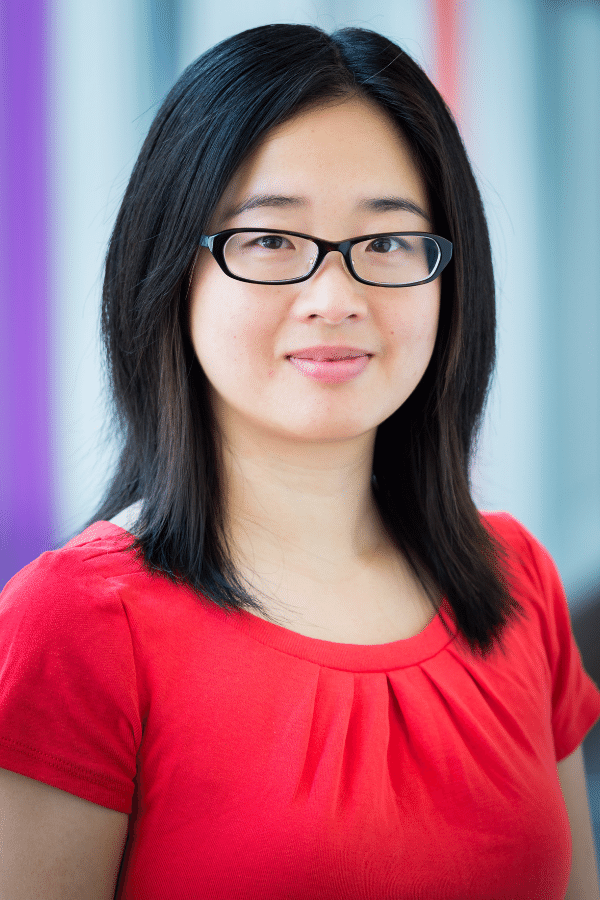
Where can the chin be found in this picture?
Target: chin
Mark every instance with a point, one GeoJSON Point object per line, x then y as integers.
{"type": "Point", "coordinates": [328, 432]}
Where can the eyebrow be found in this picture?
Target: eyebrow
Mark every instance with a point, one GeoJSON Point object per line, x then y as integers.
{"type": "Point", "coordinates": [278, 201]}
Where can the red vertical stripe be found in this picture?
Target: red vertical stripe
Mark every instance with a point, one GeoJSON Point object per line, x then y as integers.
{"type": "Point", "coordinates": [447, 15]}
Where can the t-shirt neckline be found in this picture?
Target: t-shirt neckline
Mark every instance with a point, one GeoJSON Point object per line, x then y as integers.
{"type": "Point", "coordinates": [351, 657]}
{"type": "Point", "coordinates": [332, 654]}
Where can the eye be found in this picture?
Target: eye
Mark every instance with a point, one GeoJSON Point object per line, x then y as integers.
{"type": "Point", "coordinates": [272, 242]}
{"type": "Point", "coordinates": [387, 244]}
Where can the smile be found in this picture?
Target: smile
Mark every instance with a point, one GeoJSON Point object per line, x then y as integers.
{"type": "Point", "coordinates": [331, 371]}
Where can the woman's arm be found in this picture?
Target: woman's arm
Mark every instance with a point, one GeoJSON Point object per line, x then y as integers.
{"type": "Point", "coordinates": [583, 883]}
{"type": "Point", "coordinates": [56, 845]}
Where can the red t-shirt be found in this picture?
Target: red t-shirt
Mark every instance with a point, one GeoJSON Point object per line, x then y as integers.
{"type": "Point", "coordinates": [259, 763]}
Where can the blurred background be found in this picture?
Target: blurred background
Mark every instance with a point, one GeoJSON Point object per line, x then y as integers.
{"type": "Point", "coordinates": [81, 83]}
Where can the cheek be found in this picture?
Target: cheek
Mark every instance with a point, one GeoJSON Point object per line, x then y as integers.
{"type": "Point", "coordinates": [428, 321]}
{"type": "Point", "coordinates": [226, 333]}
{"type": "Point", "coordinates": [218, 342]}
{"type": "Point", "coordinates": [413, 337]}
{"type": "Point", "coordinates": [415, 330]}
{"type": "Point", "coordinates": [428, 331]}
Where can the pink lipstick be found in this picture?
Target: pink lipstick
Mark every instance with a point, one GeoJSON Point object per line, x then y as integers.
{"type": "Point", "coordinates": [330, 365]}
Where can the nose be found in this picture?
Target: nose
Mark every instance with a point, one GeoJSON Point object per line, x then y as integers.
{"type": "Point", "coordinates": [332, 293]}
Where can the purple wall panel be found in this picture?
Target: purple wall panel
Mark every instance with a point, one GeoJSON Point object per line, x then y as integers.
{"type": "Point", "coordinates": [25, 506]}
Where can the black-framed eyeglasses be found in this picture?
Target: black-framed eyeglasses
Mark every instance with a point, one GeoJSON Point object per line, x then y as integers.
{"type": "Point", "coordinates": [272, 256]}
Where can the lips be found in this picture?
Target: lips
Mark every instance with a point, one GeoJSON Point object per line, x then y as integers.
{"type": "Point", "coordinates": [328, 354]}
{"type": "Point", "coordinates": [330, 365]}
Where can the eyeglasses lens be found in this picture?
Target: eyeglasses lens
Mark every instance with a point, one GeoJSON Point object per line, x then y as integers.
{"type": "Point", "coordinates": [395, 259]}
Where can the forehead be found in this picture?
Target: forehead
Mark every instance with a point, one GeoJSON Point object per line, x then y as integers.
{"type": "Point", "coordinates": [341, 152]}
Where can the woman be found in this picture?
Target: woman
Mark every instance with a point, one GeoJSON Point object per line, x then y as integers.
{"type": "Point", "coordinates": [287, 657]}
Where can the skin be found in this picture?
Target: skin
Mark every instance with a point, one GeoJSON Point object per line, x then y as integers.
{"type": "Point", "coordinates": [298, 453]}
{"type": "Point", "coordinates": [583, 882]}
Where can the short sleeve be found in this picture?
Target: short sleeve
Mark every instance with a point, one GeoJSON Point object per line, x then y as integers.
{"type": "Point", "coordinates": [575, 697]}
{"type": "Point", "coordinates": [69, 712]}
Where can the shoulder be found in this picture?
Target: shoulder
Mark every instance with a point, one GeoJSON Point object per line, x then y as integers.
{"type": "Point", "coordinates": [532, 575]}
{"type": "Point", "coordinates": [72, 688]}
{"type": "Point", "coordinates": [96, 583]}
{"type": "Point", "coordinates": [504, 526]}
{"type": "Point", "coordinates": [525, 554]}
{"type": "Point", "coordinates": [85, 571]}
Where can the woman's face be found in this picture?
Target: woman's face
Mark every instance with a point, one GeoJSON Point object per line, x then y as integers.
{"type": "Point", "coordinates": [331, 161]}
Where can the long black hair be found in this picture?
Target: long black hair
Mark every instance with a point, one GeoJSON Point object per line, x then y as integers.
{"type": "Point", "coordinates": [218, 111]}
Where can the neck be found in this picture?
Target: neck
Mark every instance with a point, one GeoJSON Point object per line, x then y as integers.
{"type": "Point", "coordinates": [303, 508]}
